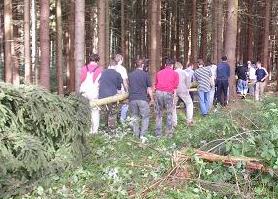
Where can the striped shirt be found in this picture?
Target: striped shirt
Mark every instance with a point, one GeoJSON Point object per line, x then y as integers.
{"type": "Point", "coordinates": [203, 76]}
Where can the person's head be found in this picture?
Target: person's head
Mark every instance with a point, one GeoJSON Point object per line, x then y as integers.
{"type": "Point", "coordinates": [178, 65]}
{"type": "Point", "coordinates": [190, 66]}
{"type": "Point", "coordinates": [112, 64]}
{"type": "Point", "coordinates": [169, 62]}
{"type": "Point", "coordinates": [200, 63]}
{"type": "Point", "coordinates": [259, 64]}
{"type": "Point", "coordinates": [139, 63]}
{"type": "Point", "coordinates": [224, 58]}
{"type": "Point", "coordinates": [119, 59]}
{"type": "Point", "coordinates": [94, 58]}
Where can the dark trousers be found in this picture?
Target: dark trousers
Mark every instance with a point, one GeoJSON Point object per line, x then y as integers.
{"type": "Point", "coordinates": [222, 89]}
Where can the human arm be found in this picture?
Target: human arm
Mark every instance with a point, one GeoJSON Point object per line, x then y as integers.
{"type": "Point", "coordinates": [266, 75]}
{"type": "Point", "coordinates": [119, 82]}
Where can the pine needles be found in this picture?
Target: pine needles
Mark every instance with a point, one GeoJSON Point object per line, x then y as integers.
{"type": "Point", "coordinates": [40, 133]}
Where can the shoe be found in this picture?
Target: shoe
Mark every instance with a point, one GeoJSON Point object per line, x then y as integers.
{"type": "Point", "coordinates": [143, 139]}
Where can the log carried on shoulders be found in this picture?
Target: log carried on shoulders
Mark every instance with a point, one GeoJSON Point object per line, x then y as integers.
{"type": "Point", "coordinates": [108, 100]}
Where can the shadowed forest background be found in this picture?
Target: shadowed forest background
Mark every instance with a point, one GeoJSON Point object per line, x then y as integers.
{"type": "Point", "coordinates": [47, 42]}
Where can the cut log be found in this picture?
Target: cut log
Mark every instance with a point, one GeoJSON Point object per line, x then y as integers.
{"type": "Point", "coordinates": [251, 164]}
{"type": "Point", "coordinates": [108, 100]}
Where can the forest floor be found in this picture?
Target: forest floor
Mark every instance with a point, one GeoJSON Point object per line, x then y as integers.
{"type": "Point", "coordinates": [120, 166]}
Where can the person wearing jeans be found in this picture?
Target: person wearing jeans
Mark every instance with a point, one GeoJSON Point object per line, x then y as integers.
{"type": "Point", "coordinates": [203, 76]}
{"type": "Point", "coordinates": [166, 83]}
{"type": "Point", "coordinates": [183, 94]}
{"type": "Point", "coordinates": [139, 90]}
{"type": "Point", "coordinates": [222, 81]}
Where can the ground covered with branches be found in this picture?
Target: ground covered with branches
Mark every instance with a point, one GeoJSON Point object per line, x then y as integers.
{"type": "Point", "coordinates": [120, 166]}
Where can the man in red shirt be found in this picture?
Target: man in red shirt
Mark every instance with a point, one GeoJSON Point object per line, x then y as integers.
{"type": "Point", "coordinates": [166, 83]}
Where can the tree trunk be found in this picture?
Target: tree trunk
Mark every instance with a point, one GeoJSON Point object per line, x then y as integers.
{"type": "Point", "coordinates": [102, 31]}
{"type": "Point", "coordinates": [220, 29]}
{"type": "Point", "coordinates": [250, 31]}
{"type": "Point", "coordinates": [79, 40]}
{"type": "Point", "coordinates": [230, 42]}
{"type": "Point", "coordinates": [203, 47]}
{"type": "Point", "coordinates": [123, 28]}
{"type": "Point", "coordinates": [15, 48]}
{"type": "Point", "coordinates": [8, 41]}
{"type": "Point", "coordinates": [2, 39]}
{"type": "Point", "coordinates": [186, 33]}
{"type": "Point", "coordinates": [59, 47]}
{"type": "Point", "coordinates": [70, 59]}
{"type": "Point", "coordinates": [159, 41]}
{"type": "Point", "coordinates": [44, 44]}
{"type": "Point", "coordinates": [27, 52]}
{"type": "Point", "coordinates": [194, 36]}
{"type": "Point", "coordinates": [214, 31]}
{"type": "Point", "coordinates": [34, 53]}
{"type": "Point", "coordinates": [265, 60]}
{"type": "Point", "coordinates": [154, 39]}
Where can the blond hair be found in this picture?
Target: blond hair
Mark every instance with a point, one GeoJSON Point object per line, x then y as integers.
{"type": "Point", "coordinates": [118, 58]}
{"type": "Point", "coordinates": [178, 65]}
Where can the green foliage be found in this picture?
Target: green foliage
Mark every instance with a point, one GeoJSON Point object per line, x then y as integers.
{"type": "Point", "coordinates": [40, 133]}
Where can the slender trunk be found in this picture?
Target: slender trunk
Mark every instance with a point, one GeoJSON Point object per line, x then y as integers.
{"type": "Point", "coordinates": [214, 31]}
{"type": "Point", "coordinates": [154, 39]}
{"type": "Point", "coordinates": [194, 36]}
{"type": "Point", "coordinates": [44, 45]}
{"type": "Point", "coordinates": [59, 47]}
{"type": "Point", "coordinates": [102, 31]}
{"type": "Point", "coordinates": [220, 29]}
{"type": "Point", "coordinates": [159, 42]}
{"type": "Point", "coordinates": [1, 39]}
{"type": "Point", "coordinates": [186, 33]}
{"type": "Point", "coordinates": [8, 41]}
{"type": "Point", "coordinates": [230, 42]}
{"type": "Point", "coordinates": [107, 31]}
{"type": "Point", "coordinates": [265, 60]}
{"type": "Point", "coordinates": [250, 31]}
{"type": "Point", "coordinates": [203, 47]}
{"type": "Point", "coordinates": [27, 52]}
{"type": "Point", "coordinates": [15, 49]}
{"type": "Point", "coordinates": [79, 39]}
{"type": "Point", "coordinates": [123, 28]}
{"type": "Point", "coordinates": [71, 42]}
{"type": "Point", "coordinates": [34, 71]}
{"type": "Point", "coordinates": [177, 55]}
{"type": "Point", "coordinates": [88, 31]}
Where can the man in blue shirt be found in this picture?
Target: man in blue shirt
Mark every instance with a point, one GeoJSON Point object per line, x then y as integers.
{"type": "Point", "coordinates": [109, 84]}
{"type": "Point", "coordinates": [139, 89]}
{"type": "Point", "coordinates": [261, 74]}
{"type": "Point", "coordinates": [222, 81]}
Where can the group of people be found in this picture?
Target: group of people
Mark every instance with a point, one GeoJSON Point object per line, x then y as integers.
{"type": "Point", "coordinates": [171, 83]}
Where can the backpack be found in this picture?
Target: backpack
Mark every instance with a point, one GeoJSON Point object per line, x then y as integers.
{"type": "Point", "coordinates": [89, 87]}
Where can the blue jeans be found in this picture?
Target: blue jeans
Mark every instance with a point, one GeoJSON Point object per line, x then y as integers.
{"type": "Point", "coordinates": [242, 86]}
{"type": "Point", "coordinates": [204, 102]}
{"type": "Point", "coordinates": [139, 109]}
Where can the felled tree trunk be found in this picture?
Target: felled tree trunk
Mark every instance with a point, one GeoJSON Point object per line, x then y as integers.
{"type": "Point", "coordinates": [108, 100]}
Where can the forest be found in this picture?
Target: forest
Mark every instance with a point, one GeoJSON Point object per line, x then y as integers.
{"type": "Point", "coordinates": [46, 150]}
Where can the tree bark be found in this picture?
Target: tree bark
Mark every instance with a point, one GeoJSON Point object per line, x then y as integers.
{"type": "Point", "coordinates": [8, 41]}
{"type": "Point", "coordinates": [159, 41]}
{"type": "Point", "coordinates": [34, 53]}
{"type": "Point", "coordinates": [194, 36]}
{"type": "Point", "coordinates": [44, 44]}
{"type": "Point", "coordinates": [265, 60]}
{"type": "Point", "coordinates": [15, 48]}
{"type": "Point", "coordinates": [79, 40]}
{"type": "Point", "coordinates": [154, 38]}
{"type": "Point", "coordinates": [123, 28]}
{"type": "Point", "coordinates": [70, 59]}
{"type": "Point", "coordinates": [250, 31]}
{"type": "Point", "coordinates": [230, 42]}
{"type": "Point", "coordinates": [2, 38]}
{"type": "Point", "coordinates": [214, 31]}
{"type": "Point", "coordinates": [59, 47]}
{"type": "Point", "coordinates": [27, 52]}
{"type": "Point", "coordinates": [203, 47]}
{"type": "Point", "coordinates": [220, 29]}
{"type": "Point", "coordinates": [102, 31]}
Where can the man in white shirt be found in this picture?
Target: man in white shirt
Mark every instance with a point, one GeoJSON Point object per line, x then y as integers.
{"type": "Point", "coordinates": [252, 78]}
{"type": "Point", "coordinates": [122, 70]}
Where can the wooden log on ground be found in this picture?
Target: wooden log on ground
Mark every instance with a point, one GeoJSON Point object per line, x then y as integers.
{"type": "Point", "coordinates": [108, 100]}
{"type": "Point", "coordinates": [251, 164]}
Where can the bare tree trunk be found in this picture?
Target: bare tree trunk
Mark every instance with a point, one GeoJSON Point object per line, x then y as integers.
{"type": "Point", "coordinates": [2, 38]}
{"type": "Point", "coordinates": [214, 31]}
{"type": "Point", "coordinates": [34, 72]}
{"type": "Point", "coordinates": [79, 40]}
{"type": "Point", "coordinates": [203, 47]}
{"type": "Point", "coordinates": [250, 31]}
{"type": "Point", "coordinates": [102, 31]}
{"type": "Point", "coordinates": [154, 39]}
{"type": "Point", "coordinates": [59, 47]}
{"type": "Point", "coordinates": [186, 33]}
{"type": "Point", "coordinates": [27, 52]}
{"type": "Point", "coordinates": [230, 42]}
{"type": "Point", "coordinates": [8, 41]}
{"type": "Point", "coordinates": [15, 49]}
{"type": "Point", "coordinates": [265, 60]}
{"type": "Point", "coordinates": [194, 36]}
{"type": "Point", "coordinates": [123, 28]}
{"type": "Point", "coordinates": [220, 29]}
{"type": "Point", "coordinates": [159, 41]}
{"type": "Point", "coordinates": [70, 58]}
{"type": "Point", "coordinates": [44, 45]}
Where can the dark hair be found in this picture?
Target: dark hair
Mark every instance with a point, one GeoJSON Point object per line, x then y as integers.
{"type": "Point", "coordinates": [94, 58]}
{"type": "Point", "coordinates": [139, 63]}
{"type": "Point", "coordinates": [169, 61]}
{"type": "Point", "coordinates": [200, 62]}
{"type": "Point", "coordinates": [224, 58]}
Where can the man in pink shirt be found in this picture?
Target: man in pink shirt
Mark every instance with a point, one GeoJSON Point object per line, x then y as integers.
{"type": "Point", "coordinates": [166, 83]}
{"type": "Point", "coordinates": [92, 70]}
